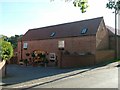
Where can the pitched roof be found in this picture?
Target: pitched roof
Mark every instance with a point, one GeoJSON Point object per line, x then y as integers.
{"type": "Point", "coordinates": [111, 31]}
{"type": "Point", "coordinates": [71, 29]}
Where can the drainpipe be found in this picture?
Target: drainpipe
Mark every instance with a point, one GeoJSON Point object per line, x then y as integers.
{"type": "Point", "coordinates": [21, 49]}
{"type": "Point", "coordinates": [61, 53]}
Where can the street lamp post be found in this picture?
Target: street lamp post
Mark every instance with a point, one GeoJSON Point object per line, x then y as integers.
{"type": "Point", "coordinates": [21, 48]}
{"type": "Point", "coordinates": [113, 4]}
{"type": "Point", "coordinates": [115, 34]}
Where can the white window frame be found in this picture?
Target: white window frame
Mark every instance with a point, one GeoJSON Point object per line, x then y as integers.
{"type": "Point", "coordinates": [25, 45]}
{"type": "Point", "coordinates": [50, 56]}
{"type": "Point", "coordinates": [61, 44]}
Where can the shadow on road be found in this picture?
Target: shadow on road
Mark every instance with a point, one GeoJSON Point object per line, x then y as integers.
{"type": "Point", "coordinates": [18, 74]}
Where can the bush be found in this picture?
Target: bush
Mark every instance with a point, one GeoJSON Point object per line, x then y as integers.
{"type": "Point", "coordinates": [6, 50]}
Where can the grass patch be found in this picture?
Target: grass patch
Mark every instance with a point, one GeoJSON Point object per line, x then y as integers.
{"type": "Point", "coordinates": [107, 62]}
{"type": "Point", "coordinates": [115, 60]}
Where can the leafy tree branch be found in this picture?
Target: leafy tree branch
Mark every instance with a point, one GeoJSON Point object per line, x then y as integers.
{"type": "Point", "coordinates": [6, 49]}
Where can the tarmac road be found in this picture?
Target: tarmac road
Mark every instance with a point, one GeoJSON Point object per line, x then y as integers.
{"type": "Point", "coordinates": [103, 78]}
{"type": "Point", "coordinates": [50, 77]}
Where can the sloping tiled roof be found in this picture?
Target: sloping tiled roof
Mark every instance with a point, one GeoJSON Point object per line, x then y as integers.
{"type": "Point", "coordinates": [111, 31]}
{"type": "Point", "coordinates": [64, 30]}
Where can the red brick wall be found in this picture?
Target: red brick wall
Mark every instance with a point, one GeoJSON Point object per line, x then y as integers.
{"type": "Point", "coordinates": [73, 44]}
{"type": "Point", "coordinates": [102, 38]}
{"type": "Point", "coordinates": [104, 55]}
{"type": "Point", "coordinates": [78, 61]}
{"type": "Point", "coordinates": [19, 51]}
{"type": "Point", "coordinates": [112, 44]}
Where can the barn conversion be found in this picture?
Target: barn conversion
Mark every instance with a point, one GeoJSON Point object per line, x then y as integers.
{"type": "Point", "coordinates": [74, 44]}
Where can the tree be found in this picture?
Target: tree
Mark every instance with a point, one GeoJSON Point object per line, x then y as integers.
{"type": "Point", "coordinates": [6, 50]}
{"type": "Point", "coordinates": [83, 4]}
{"type": "Point", "coordinates": [14, 40]}
{"type": "Point", "coordinates": [112, 4]}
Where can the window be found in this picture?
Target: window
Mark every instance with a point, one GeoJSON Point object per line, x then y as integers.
{"type": "Point", "coordinates": [52, 34]}
{"type": "Point", "coordinates": [61, 44]}
{"type": "Point", "coordinates": [52, 56]}
{"type": "Point", "coordinates": [25, 45]}
{"type": "Point", "coordinates": [84, 31]}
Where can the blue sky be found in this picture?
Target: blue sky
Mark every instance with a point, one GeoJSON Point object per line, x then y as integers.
{"type": "Point", "coordinates": [18, 16]}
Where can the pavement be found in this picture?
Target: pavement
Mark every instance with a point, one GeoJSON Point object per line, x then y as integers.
{"type": "Point", "coordinates": [102, 78]}
{"type": "Point", "coordinates": [28, 77]}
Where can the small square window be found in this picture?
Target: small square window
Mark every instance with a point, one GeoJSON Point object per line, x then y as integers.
{"type": "Point", "coordinates": [84, 31]}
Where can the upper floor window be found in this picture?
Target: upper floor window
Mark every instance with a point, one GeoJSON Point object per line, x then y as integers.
{"type": "Point", "coordinates": [52, 34]}
{"type": "Point", "coordinates": [84, 31]}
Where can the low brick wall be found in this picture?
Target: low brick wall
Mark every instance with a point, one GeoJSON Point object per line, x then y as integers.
{"type": "Point", "coordinates": [104, 55]}
{"type": "Point", "coordinates": [2, 68]}
{"type": "Point", "coordinates": [112, 44]}
{"type": "Point", "coordinates": [77, 60]}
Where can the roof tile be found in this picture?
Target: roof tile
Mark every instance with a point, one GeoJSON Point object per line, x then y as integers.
{"type": "Point", "coordinates": [64, 30]}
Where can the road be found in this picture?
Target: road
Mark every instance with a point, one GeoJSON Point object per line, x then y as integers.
{"type": "Point", "coordinates": [100, 78]}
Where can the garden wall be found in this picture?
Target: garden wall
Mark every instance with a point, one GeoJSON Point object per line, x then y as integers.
{"type": "Point", "coordinates": [77, 60]}
{"type": "Point", "coordinates": [104, 55]}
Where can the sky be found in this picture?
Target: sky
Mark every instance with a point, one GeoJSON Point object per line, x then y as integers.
{"type": "Point", "coordinates": [18, 16]}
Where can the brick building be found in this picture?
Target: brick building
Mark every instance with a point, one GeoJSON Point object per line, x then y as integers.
{"type": "Point", "coordinates": [85, 43]}
{"type": "Point", "coordinates": [112, 39]}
